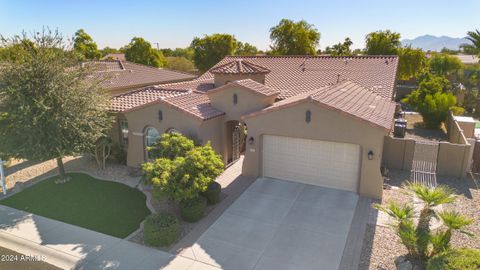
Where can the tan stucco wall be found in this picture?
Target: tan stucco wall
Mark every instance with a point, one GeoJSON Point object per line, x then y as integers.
{"type": "Point", "coordinates": [454, 159]}
{"type": "Point", "coordinates": [221, 79]}
{"type": "Point", "coordinates": [139, 119]}
{"type": "Point", "coordinates": [398, 153]}
{"type": "Point", "coordinates": [325, 125]}
{"type": "Point", "coordinates": [247, 102]}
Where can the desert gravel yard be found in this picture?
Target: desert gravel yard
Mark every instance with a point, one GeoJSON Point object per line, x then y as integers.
{"type": "Point", "coordinates": [381, 246]}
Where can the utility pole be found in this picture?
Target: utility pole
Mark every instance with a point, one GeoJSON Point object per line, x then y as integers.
{"type": "Point", "coordinates": [158, 45]}
{"type": "Point", "coordinates": [2, 178]}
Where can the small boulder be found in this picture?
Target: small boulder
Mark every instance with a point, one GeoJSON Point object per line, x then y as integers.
{"type": "Point", "coordinates": [400, 259]}
{"type": "Point", "coordinates": [406, 265]}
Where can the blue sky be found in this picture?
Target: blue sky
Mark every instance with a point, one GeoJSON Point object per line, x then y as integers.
{"type": "Point", "coordinates": [174, 23]}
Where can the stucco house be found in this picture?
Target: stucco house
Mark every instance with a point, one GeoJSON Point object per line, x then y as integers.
{"type": "Point", "coordinates": [319, 120]}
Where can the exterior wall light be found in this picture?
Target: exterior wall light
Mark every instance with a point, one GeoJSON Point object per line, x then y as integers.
{"type": "Point", "coordinates": [370, 155]}
{"type": "Point", "coordinates": [251, 141]}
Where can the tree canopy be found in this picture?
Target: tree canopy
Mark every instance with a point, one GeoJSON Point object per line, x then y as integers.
{"type": "Point", "coordinates": [444, 64]}
{"type": "Point", "coordinates": [412, 63]}
{"type": "Point", "coordinates": [209, 50]}
{"type": "Point", "coordinates": [474, 37]}
{"type": "Point", "coordinates": [340, 49]}
{"type": "Point", "coordinates": [382, 43]}
{"type": "Point", "coordinates": [182, 170]}
{"type": "Point", "coordinates": [85, 46]}
{"type": "Point", "coordinates": [50, 107]}
{"type": "Point", "coordinates": [140, 51]}
{"type": "Point", "coordinates": [246, 49]}
{"type": "Point", "coordinates": [294, 38]}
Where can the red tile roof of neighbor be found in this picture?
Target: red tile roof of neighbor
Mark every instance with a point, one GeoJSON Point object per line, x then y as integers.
{"type": "Point", "coordinates": [239, 66]}
{"type": "Point", "coordinates": [249, 84]}
{"type": "Point", "coordinates": [293, 77]}
{"type": "Point", "coordinates": [123, 74]}
{"type": "Point", "coordinates": [345, 97]}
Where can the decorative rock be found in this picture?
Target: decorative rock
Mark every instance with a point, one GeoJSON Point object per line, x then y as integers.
{"type": "Point", "coordinates": [417, 267]}
{"type": "Point", "coordinates": [406, 265]}
{"type": "Point", "coordinates": [400, 259]}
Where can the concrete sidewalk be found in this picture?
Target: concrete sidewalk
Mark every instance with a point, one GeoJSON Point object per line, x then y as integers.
{"type": "Point", "coordinates": [71, 247]}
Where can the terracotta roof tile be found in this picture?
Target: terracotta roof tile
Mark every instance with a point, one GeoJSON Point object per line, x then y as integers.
{"type": "Point", "coordinates": [196, 104]}
{"type": "Point", "coordinates": [346, 97]}
{"type": "Point", "coordinates": [251, 85]}
{"type": "Point", "coordinates": [140, 97]}
{"type": "Point", "coordinates": [123, 74]}
{"type": "Point", "coordinates": [292, 75]}
{"type": "Point", "coordinates": [239, 66]}
{"type": "Point", "coordinates": [295, 78]}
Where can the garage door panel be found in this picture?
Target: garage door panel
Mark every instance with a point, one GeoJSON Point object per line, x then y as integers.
{"type": "Point", "coordinates": [322, 163]}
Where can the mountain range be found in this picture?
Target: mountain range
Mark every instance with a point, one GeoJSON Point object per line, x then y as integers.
{"type": "Point", "coordinates": [433, 43]}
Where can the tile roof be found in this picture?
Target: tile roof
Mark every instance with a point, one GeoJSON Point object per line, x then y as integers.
{"type": "Point", "coordinates": [239, 66]}
{"type": "Point", "coordinates": [123, 74]}
{"type": "Point", "coordinates": [293, 75]}
{"type": "Point", "coordinates": [250, 85]}
{"type": "Point", "coordinates": [195, 104]}
{"type": "Point", "coordinates": [295, 78]}
{"type": "Point", "coordinates": [346, 97]}
{"type": "Point", "coordinates": [140, 97]}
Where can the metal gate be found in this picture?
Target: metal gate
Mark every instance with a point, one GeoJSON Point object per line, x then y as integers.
{"type": "Point", "coordinates": [237, 142]}
{"type": "Point", "coordinates": [424, 166]}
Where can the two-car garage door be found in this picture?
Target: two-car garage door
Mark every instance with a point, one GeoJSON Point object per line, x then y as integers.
{"type": "Point", "coordinates": [315, 162]}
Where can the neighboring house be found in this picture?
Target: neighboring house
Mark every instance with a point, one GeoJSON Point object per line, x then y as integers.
{"type": "Point", "coordinates": [319, 120]}
{"type": "Point", "coordinates": [468, 59]}
{"type": "Point", "coordinates": [123, 76]}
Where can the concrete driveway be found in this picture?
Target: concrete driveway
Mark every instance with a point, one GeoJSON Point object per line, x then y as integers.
{"type": "Point", "coordinates": [277, 224]}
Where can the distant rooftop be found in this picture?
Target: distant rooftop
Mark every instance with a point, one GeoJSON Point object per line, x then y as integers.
{"type": "Point", "coordinates": [123, 74]}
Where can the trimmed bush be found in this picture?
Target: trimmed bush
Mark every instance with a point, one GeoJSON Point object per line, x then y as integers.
{"type": "Point", "coordinates": [161, 229]}
{"type": "Point", "coordinates": [212, 194]}
{"type": "Point", "coordinates": [192, 210]}
{"type": "Point", "coordinates": [456, 259]}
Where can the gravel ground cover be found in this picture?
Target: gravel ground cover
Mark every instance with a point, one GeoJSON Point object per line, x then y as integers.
{"type": "Point", "coordinates": [381, 246]}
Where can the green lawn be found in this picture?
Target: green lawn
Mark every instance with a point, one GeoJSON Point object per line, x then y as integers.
{"type": "Point", "coordinates": [103, 206]}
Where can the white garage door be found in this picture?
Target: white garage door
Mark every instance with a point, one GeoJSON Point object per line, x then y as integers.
{"type": "Point", "coordinates": [320, 163]}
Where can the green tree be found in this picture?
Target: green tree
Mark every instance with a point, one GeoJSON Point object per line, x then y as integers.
{"type": "Point", "coordinates": [85, 46]}
{"type": "Point", "coordinates": [183, 172]}
{"type": "Point", "coordinates": [209, 50]}
{"type": "Point", "coordinates": [294, 38]}
{"type": "Point", "coordinates": [245, 49]}
{"type": "Point", "coordinates": [419, 240]}
{"type": "Point", "coordinates": [178, 52]}
{"type": "Point", "coordinates": [107, 50]}
{"type": "Point", "coordinates": [341, 49]}
{"type": "Point", "coordinates": [433, 99]}
{"type": "Point", "coordinates": [412, 63]}
{"type": "Point", "coordinates": [179, 63]}
{"type": "Point", "coordinates": [474, 37]}
{"type": "Point", "coordinates": [171, 145]}
{"type": "Point", "coordinates": [382, 43]}
{"type": "Point", "coordinates": [444, 64]}
{"type": "Point", "coordinates": [140, 51]}
{"type": "Point", "coordinates": [50, 108]}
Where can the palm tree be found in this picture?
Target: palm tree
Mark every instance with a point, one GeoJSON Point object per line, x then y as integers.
{"type": "Point", "coordinates": [431, 197]}
{"type": "Point", "coordinates": [474, 37]}
{"type": "Point", "coordinates": [454, 221]}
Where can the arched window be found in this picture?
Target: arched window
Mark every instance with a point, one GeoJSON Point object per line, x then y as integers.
{"type": "Point", "coordinates": [308, 116]}
{"type": "Point", "coordinates": [151, 137]}
{"type": "Point", "coordinates": [235, 99]}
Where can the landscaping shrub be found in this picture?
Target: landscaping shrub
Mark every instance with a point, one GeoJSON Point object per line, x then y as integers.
{"type": "Point", "coordinates": [212, 194]}
{"type": "Point", "coordinates": [421, 242]}
{"type": "Point", "coordinates": [161, 229]}
{"type": "Point", "coordinates": [456, 259]}
{"type": "Point", "coordinates": [192, 209]}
